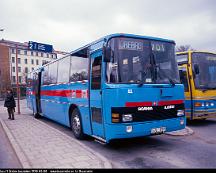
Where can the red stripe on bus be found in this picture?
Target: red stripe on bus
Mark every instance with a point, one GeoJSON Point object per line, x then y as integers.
{"type": "Point", "coordinates": [78, 93]}
{"type": "Point", "coordinates": [58, 93]}
{"type": "Point", "coordinates": [170, 102]}
{"type": "Point", "coordinates": [135, 104]}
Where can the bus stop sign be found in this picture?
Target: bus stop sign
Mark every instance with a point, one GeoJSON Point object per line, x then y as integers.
{"type": "Point", "coordinates": [40, 47]}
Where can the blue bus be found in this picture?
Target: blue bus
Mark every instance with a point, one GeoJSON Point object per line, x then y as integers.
{"type": "Point", "coordinates": [120, 86]}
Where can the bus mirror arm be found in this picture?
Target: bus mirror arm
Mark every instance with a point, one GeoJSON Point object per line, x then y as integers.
{"type": "Point", "coordinates": [196, 69]}
{"type": "Point", "coordinates": [108, 54]}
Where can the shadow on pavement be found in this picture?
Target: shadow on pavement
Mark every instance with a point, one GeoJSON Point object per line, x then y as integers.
{"type": "Point", "coordinates": [207, 122]}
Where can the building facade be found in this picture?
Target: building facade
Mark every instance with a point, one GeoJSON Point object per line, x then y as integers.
{"type": "Point", "coordinates": [28, 60]}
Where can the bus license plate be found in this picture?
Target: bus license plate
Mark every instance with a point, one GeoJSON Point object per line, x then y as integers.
{"type": "Point", "coordinates": [158, 130]}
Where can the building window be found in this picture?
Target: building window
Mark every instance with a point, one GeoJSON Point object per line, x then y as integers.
{"type": "Point", "coordinates": [19, 51]}
{"type": "Point", "coordinates": [26, 69]}
{"type": "Point", "coordinates": [19, 61]}
{"type": "Point", "coordinates": [13, 50]}
{"type": "Point", "coordinates": [25, 52]}
{"type": "Point", "coordinates": [20, 79]}
{"type": "Point", "coordinates": [32, 61]}
{"type": "Point", "coordinates": [32, 53]}
{"type": "Point", "coordinates": [26, 61]}
{"type": "Point", "coordinates": [47, 55]}
{"type": "Point", "coordinates": [32, 68]}
{"type": "Point", "coordinates": [44, 62]}
{"type": "Point", "coordinates": [52, 56]}
{"type": "Point", "coordinates": [37, 62]}
{"type": "Point", "coordinates": [14, 79]}
{"type": "Point", "coordinates": [19, 69]}
{"type": "Point", "coordinates": [13, 69]}
{"type": "Point", "coordinates": [36, 53]}
{"type": "Point", "coordinates": [13, 59]}
{"type": "Point", "coordinates": [41, 54]}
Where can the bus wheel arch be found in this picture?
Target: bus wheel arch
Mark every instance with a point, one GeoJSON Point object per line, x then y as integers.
{"type": "Point", "coordinates": [76, 122]}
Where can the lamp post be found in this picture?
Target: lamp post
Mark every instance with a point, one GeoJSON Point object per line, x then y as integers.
{"type": "Point", "coordinates": [17, 81]}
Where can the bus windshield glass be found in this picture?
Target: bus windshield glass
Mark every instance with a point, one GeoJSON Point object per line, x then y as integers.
{"type": "Point", "coordinates": [141, 61]}
{"type": "Point", "coordinates": [205, 78]}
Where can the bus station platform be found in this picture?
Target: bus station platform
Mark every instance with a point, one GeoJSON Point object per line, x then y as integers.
{"type": "Point", "coordinates": [39, 145]}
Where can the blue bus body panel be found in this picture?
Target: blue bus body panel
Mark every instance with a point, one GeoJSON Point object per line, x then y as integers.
{"type": "Point", "coordinates": [57, 107]}
{"type": "Point", "coordinates": [203, 111]}
{"type": "Point", "coordinates": [116, 96]}
{"type": "Point", "coordinates": [117, 131]}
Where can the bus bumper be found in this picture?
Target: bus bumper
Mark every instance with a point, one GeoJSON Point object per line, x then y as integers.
{"type": "Point", "coordinates": [203, 115]}
{"type": "Point", "coordinates": [119, 131]}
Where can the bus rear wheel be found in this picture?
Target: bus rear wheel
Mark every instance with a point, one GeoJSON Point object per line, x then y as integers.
{"type": "Point", "coordinates": [76, 124]}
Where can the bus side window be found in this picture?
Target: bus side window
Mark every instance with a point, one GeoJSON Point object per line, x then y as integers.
{"type": "Point", "coordinates": [183, 78]}
{"type": "Point", "coordinates": [96, 73]}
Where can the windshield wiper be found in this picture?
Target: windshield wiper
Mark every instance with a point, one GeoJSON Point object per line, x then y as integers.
{"type": "Point", "coordinates": [170, 80]}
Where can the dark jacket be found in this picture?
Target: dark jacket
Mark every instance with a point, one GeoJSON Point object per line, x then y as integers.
{"type": "Point", "coordinates": [9, 101]}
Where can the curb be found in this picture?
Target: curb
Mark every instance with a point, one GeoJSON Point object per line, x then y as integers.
{"type": "Point", "coordinates": [17, 149]}
{"type": "Point", "coordinates": [105, 161]}
{"type": "Point", "coordinates": [184, 132]}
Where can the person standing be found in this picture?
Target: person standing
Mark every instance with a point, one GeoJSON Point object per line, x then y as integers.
{"type": "Point", "coordinates": [10, 104]}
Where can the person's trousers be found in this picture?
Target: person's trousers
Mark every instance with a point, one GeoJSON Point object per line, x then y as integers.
{"type": "Point", "coordinates": [11, 113]}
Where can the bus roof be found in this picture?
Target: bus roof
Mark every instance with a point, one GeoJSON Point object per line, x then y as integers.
{"type": "Point", "coordinates": [194, 51]}
{"type": "Point", "coordinates": [83, 50]}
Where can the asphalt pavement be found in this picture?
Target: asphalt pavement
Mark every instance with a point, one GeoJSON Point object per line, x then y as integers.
{"type": "Point", "coordinates": [197, 150]}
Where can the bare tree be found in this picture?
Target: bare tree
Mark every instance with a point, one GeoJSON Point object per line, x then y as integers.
{"type": "Point", "coordinates": [183, 48]}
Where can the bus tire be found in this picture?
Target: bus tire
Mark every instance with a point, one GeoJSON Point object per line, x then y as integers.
{"type": "Point", "coordinates": [37, 115]}
{"type": "Point", "coordinates": [76, 124]}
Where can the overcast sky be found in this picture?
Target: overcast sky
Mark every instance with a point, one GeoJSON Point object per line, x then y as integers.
{"type": "Point", "coordinates": [69, 24]}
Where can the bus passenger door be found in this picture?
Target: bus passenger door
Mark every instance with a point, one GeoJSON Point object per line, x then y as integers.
{"type": "Point", "coordinates": [36, 90]}
{"type": "Point", "coordinates": [184, 78]}
{"type": "Point", "coordinates": [95, 92]}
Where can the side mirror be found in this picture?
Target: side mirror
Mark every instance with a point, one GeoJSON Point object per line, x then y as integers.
{"type": "Point", "coordinates": [108, 54]}
{"type": "Point", "coordinates": [196, 69]}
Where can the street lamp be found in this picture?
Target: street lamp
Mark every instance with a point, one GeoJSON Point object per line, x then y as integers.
{"type": "Point", "coordinates": [17, 78]}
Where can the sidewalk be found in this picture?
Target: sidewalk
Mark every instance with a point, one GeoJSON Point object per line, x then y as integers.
{"type": "Point", "coordinates": [39, 145]}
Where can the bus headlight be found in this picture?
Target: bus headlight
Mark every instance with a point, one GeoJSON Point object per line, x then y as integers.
{"type": "Point", "coordinates": [207, 104]}
{"type": "Point", "coordinates": [198, 104]}
{"type": "Point", "coordinates": [212, 104]}
{"type": "Point", "coordinates": [180, 113]}
{"type": "Point", "coordinates": [127, 117]}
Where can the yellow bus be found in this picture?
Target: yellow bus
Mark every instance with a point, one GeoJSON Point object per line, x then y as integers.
{"type": "Point", "coordinates": [197, 72]}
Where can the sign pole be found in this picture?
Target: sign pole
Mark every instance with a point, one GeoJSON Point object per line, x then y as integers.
{"type": "Point", "coordinates": [17, 82]}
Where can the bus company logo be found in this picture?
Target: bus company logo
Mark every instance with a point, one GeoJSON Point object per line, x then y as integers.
{"type": "Point", "coordinates": [145, 108]}
{"type": "Point", "coordinates": [169, 107]}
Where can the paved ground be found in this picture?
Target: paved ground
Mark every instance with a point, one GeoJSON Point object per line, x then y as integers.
{"type": "Point", "coordinates": [41, 146]}
{"type": "Point", "coordinates": [164, 151]}
{"type": "Point", "coordinates": [8, 158]}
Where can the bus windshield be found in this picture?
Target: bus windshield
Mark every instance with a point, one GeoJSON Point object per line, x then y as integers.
{"type": "Point", "coordinates": [142, 61]}
{"type": "Point", "coordinates": [206, 77]}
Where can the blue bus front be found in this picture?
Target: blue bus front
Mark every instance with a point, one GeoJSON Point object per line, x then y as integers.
{"type": "Point", "coordinates": [141, 93]}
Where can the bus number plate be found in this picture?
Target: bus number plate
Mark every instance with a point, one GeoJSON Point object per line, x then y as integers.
{"type": "Point", "coordinates": [158, 130]}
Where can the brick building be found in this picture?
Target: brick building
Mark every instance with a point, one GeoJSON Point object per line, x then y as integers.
{"type": "Point", "coordinates": [28, 60]}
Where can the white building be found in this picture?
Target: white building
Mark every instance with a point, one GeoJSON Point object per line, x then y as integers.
{"type": "Point", "coordinates": [28, 60]}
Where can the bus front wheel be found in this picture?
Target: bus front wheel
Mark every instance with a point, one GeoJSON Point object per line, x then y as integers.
{"type": "Point", "coordinates": [76, 124]}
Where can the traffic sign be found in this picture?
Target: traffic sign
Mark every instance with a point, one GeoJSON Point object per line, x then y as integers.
{"type": "Point", "coordinates": [40, 47]}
